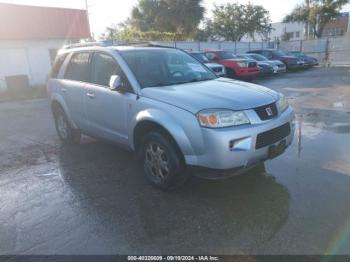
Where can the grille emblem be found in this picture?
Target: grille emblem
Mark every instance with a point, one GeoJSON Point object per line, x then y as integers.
{"type": "Point", "coordinates": [268, 111]}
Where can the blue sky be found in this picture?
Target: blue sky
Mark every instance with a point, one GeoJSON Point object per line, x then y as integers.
{"type": "Point", "coordinates": [103, 13]}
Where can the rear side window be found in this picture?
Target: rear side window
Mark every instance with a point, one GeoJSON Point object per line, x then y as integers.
{"type": "Point", "coordinates": [78, 68]}
{"type": "Point", "coordinates": [57, 65]}
{"type": "Point", "coordinates": [210, 56]}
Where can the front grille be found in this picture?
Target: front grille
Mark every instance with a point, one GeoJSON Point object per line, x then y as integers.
{"type": "Point", "coordinates": [216, 69]}
{"type": "Point", "coordinates": [266, 112]}
{"type": "Point", "coordinates": [272, 136]}
{"type": "Point", "coordinates": [281, 66]}
{"type": "Point", "coordinates": [252, 64]}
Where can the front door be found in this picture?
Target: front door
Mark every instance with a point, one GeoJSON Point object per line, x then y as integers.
{"type": "Point", "coordinates": [107, 110]}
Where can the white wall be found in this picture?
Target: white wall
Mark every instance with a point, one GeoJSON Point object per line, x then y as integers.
{"type": "Point", "coordinates": [27, 57]}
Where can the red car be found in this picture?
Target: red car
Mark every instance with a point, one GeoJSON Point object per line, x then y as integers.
{"type": "Point", "coordinates": [235, 67]}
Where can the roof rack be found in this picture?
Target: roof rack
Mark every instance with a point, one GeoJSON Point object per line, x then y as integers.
{"type": "Point", "coordinates": [119, 43]}
{"type": "Point", "coordinates": [83, 45]}
{"type": "Point", "coordinates": [142, 44]}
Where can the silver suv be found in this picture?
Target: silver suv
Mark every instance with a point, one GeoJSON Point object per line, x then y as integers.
{"type": "Point", "coordinates": [169, 108]}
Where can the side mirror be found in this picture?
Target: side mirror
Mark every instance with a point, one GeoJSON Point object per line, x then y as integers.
{"type": "Point", "coordinates": [114, 82]}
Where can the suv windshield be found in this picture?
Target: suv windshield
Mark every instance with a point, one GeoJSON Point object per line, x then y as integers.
{"type": "Point", "coordinates": [280, 53]}
{"type": "Point", "coordinates": [162, 67]}
{"type": "Point", "coordinates": [226, 55]}
{"type": "Point", "coordinates": [297, 54]}
{"type": "Point", "coordinates": [258, 57]}
{"type": "Point", "coordinates": [201, 57]}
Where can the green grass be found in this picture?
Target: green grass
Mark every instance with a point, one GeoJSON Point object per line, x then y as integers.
{"type": "Point", "coordinates": [24, 94]}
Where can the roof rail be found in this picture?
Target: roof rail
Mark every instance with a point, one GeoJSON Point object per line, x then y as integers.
{"type": "Point", "coordinates": [87, 44]}
{"type": "Point", "coordinates": [116, 43]}
{"type": "Point", "coordinates": [142, 44]}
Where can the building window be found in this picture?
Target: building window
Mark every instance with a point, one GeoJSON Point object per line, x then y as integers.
{"type": "Point", "coordinates": [297, 34]}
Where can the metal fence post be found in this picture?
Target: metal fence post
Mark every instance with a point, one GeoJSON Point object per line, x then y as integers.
{"type": "Point", "coordinates": [235, 47]}
{"type": "Point", "coordinates": [326, 57]}
{"type": "Point", "coordinates": [249, 45]}
{"type": "Point", "coordinates": [199, 45]}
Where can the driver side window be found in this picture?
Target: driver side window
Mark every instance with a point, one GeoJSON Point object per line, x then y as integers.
{"type": "Point", "coordinates": [211, 56]}
{"type": "Point", "coordinates": [103, 67]}
{"type": "Point", "coordinates": [267, 54]}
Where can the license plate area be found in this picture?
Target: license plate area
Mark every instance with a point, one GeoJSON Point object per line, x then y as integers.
{"type": "Point", "coordinates": [277, 149]}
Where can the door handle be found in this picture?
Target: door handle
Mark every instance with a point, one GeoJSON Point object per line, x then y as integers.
{"type": "Point", "coordinates": [64, 90]}
{"type": "Point", "coordinates": [90, 95]}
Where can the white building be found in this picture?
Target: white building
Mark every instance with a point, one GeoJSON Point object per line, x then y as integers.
{"type": "Point", "coordinates": [30, 37]}
{"type": "Point", "coordinates": [280, 31]}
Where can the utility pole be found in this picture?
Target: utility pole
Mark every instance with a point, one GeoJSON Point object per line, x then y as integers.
{"type": "Point", "coordinates": [307, 26]}
{"type": "Point", "coordinates": [348, 31]}
{"type": "Point", "coordinates": [87, 17]}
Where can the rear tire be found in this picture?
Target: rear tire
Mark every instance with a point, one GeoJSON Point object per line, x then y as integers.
{"type": "Point", "coordinates": [163, 164]}
{"type": "Point", "coordinates": [66, 133]}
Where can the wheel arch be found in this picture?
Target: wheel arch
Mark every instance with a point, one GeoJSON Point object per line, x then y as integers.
{"type": "Point", "coordinates": [58, 102]}
{"type": "Point", "coordinates": [156, 120]}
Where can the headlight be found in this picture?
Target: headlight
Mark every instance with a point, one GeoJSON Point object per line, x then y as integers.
{"type": "Point", "coordinates": [222, 118]}
{"type": "Point", "coordinates": [242, 64]}
{"type": "Point", "coordinates": [282, 103]}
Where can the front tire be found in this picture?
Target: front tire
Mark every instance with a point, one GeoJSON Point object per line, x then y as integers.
{"type": "Point", "coordinates": [66, 133]}
{"type": "Point", "coordinates": [162, 162]}
{"type": "Point", "coordinates": [230, 73]}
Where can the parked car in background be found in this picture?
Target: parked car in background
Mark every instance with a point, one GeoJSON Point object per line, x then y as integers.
{"type": "Point", "coordinates": [291, 62]}
{"type": "Point", "coordinates": [235, 67]}
{"type": "Point", "coordinates": [308, 60]}
{"type": "Point", "coordinates": [265, 68]}
{"type": "Point", "coordinates": [169, 108]}
{"type": "Point", "coordinates": [218, 69]}
{"type": "Point", "coordinates": [278, 66]}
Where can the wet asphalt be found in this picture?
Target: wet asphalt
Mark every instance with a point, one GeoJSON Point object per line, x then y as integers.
{"type": "Point", "coordinates": [93, 198]}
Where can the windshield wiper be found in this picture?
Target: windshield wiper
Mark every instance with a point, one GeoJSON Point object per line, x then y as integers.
{"type": "Point", "coordinates": [192, 81]}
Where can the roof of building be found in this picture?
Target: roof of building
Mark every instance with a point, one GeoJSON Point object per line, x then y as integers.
{"type": "Point", "coordinates": [20, 22]}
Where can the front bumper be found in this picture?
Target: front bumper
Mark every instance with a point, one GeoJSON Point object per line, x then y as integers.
{"type": "Point", "coordinates": [220, 74]}
{"type": "Point", "coordinates": [219, 156]}
{"type": "Point", "coordinates": [266, 70]}
{"type": "Point", "coordinates": [292, 66]}
{"type": "Point", "coordinates": [247, 72]}
{"type": "Point", "coordinates": [280, 69]}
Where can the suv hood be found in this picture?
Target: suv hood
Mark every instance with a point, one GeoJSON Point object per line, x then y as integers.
{"type": "Point", "coordinates": [237, 59]}
{"type": "Point", "coordinates": [218, 93]}
{"type": "Point", "coordinates": [212, 65]}
{"type": "Point", "coordinates": [291, 58]}
{"type": "Point", "coordinates": [276, 62]}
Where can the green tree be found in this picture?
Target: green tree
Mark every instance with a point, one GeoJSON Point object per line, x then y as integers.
{"type": "Point", "coordinates": [232, 21]}
{"type": "Point", "coordinates": [257, 21]}
{"type": "Point", "coordinates": [316, 13]}
{"type": "Point", "coordinates": [177, 16]}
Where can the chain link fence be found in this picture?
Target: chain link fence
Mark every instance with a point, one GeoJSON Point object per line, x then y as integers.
{"type": "Point", "coordinates": [328, 51]}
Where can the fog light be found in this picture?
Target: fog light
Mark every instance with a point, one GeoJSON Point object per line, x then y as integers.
{"type": "Point", "coordinates": [240, 144]}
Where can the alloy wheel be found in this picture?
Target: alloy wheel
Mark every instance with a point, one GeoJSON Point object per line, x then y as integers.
{"type": "Point", "coordinates": [157, 161]}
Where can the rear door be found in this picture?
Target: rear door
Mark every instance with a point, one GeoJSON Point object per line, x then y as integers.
{"type": "Point", "coordinates": [73, 87]}
{"type": "Point", "coordinates": [107, 110]}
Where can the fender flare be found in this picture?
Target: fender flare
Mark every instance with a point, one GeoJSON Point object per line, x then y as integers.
{"type": "Point", "coordinates": [167, 122]}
